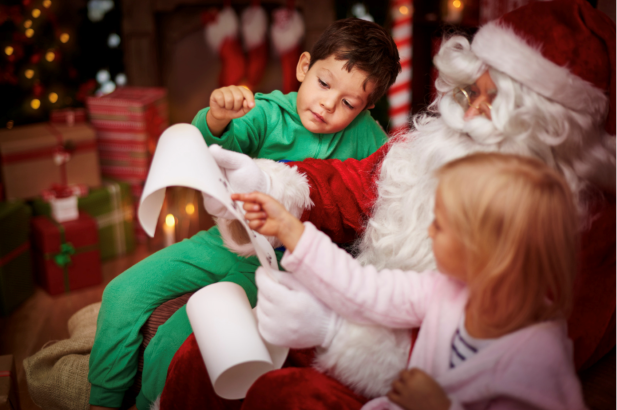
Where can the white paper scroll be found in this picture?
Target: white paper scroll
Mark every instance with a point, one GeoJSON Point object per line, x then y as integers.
{"type": "Point", "coordinates": [182, 158]}
{"type": "Point", "coordinates": [220, 314]}
{"type": "Point", "coordinates": [235, 355]}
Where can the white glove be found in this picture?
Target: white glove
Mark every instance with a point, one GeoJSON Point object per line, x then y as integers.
{"type": "Point", "coordinates": [289, 315]}
{"type": "Point", "coordinates": [215, 208]}
{"type": "Point", "coordinates": [241, 171]}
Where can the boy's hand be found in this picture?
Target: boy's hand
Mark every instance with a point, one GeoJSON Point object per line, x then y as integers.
{"type": "Point", "coordinates": [227, 103]}
{"type": "Point", "coordinates": [414, 389]}
{"type": "Point", "coordinates": [268, 217]}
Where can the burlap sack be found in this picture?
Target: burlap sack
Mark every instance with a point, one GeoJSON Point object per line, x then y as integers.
{"type": "Point", "coordinates": [57, 375]}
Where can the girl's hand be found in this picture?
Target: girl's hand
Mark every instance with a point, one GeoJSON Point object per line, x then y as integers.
{"type": "Point", "coordinates": [415, 390]}
{"type": "Point", "coordinates": [267, 216]}
{"type": "Point", "coordinates": [226, 104]}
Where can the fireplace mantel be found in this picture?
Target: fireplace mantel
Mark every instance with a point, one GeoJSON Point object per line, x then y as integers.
{"type": "Point", "coordinates": [145, 48]}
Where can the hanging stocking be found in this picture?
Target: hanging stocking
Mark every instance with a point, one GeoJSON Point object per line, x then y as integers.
{"type": "Point", "coordinates": [287, 33]}
{"type": "Point", "coordinates": [221, 35]}
{"type": "Point", "coordinates": [254, 27]}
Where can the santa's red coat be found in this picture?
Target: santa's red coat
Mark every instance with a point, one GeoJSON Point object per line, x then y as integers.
{"type": "Point", "coordinates": [343, 194]}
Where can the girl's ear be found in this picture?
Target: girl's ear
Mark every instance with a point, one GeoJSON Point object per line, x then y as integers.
{"type": "Point", "coordinates": [303, 66]}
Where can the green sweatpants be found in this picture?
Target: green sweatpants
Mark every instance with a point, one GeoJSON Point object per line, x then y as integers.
{"type": "Point", "coordinates": [131, 297]}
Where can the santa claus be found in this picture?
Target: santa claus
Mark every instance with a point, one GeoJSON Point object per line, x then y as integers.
{"type": "Point", "coordinates": [538, 82]}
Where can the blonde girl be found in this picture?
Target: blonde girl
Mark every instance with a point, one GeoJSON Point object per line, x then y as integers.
{"type": "Point", "coordinates": [492, 317]}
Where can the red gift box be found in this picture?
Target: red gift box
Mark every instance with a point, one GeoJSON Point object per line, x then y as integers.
{"type": "Point", "coordinates": [66, 254]}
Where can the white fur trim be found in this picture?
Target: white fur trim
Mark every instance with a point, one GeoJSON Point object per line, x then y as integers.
{"type": "Point", "coordinates": [287, 30]}
{"type": "Point", "coordinates": [254, 26]}
{"type": "Point", "coordinates": [226, 25]}
{"type": "Point", "coordinates": [365, 358]}
{"type": "Point", "coordinates": [288, 186]}
{"type": "Point", "coordinates": [157, 404]}
{"type": "Point", "coordinates": [500, 47]}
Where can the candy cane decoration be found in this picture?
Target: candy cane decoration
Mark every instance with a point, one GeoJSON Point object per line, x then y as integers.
{"type": "Point", "coordinates": [399, 94]}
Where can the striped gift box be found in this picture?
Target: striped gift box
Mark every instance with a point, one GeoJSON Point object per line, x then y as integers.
{"type": "Point", "coordinates": [128, 123]}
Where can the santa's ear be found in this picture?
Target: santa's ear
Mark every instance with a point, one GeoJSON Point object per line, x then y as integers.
{"type": "Point", "coordinates": [303, 66]}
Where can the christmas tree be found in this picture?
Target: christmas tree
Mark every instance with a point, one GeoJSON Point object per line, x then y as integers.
{"type": "Point", "coordinates": [53, 55]}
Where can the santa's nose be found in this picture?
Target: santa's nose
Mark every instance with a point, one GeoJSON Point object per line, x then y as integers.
{"type": "Point", "coordinates": [479, 107]}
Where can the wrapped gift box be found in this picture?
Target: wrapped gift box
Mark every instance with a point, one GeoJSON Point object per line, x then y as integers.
{"type": "Point", "coordinates": [34, 157]}
{"type": "Point", "coordinates": [9, 395]}
{"type": "Point", "coordinates": [68, 116]}
{"type": "Point", "coordinates": [112, 208]}
{"type": "Point", "coordinates": [128, 124]}
{"type": "Point", "coordinates": [16, 280]}
{"type": "Point", "coordinates": [66, 254]}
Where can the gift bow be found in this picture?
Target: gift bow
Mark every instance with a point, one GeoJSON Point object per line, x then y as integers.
{"type": "Point", "coordinates": [63, 258]}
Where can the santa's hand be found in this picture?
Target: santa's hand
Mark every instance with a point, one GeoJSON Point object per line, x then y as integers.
{"type": "Point", "coordinates": [289, 315]}
{"type": "Point", "coordinates": [216, 208]}
{"type": "Point", "coordinates": [241, 171]}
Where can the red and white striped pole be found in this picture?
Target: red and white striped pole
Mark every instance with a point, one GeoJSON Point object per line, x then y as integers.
{"type": "Point", "coordinates": [399, 94]}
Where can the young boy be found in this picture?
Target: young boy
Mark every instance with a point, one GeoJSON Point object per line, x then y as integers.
{"type": "Point", "coordinates": [350, 67]}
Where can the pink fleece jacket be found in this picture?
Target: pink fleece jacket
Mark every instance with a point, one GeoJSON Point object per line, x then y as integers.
{"type": "Point", "coordinates": [531, 368]}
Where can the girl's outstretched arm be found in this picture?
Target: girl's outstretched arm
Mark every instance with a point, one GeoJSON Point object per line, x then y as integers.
{"type": "Point", "coordinates": [268, 217]}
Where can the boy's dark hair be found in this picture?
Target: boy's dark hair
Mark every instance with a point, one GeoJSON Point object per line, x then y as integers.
{"type": "Point", "coordinates": [364, 45]}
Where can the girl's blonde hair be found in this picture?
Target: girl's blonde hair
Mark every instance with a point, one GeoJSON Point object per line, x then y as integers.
{"type": "Point", "coordinates": [517, 219]}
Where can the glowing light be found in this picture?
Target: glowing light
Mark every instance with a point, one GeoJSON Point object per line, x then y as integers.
{"type": "Point", "coordinates": [8, 50]}
{"type": "Point", "coordinates": [29, 73]}
{"type": "Point", "coordinates": [64, 37]}
{"type": "Point", "coordinates": [121, 79]}
{"type": "Point", "coordinates": [53, 97]}
{"type": "Point", "coordinates": [28, 23]}
{"type": "Point", "coordinates": [9, 124]}
{"type": "Point", "coordinates": [170, 220]}
{"type": "Point", "coordinates": [36, 13]}
{"type": "Point", "coordinates": [102, 76]}
{"type": "Point", "coordinates": [403, 10]}
{"type": "Point", "coordinates": [29, 33]}
{"type": "Point", "coordinates": [108, 87]}
{"type": "Point", "coordinates": [50, 56]}
{"type": "Point", "coordinates": [35, 103]}
{"type": "Point", "coordinates": [46, 3]}
{"type": "Point", "coordinates": [457, 4]}
{"type": "Point", "coordinates": [113, 40]}
{"type": "Point", "coordinates": [190, 209]}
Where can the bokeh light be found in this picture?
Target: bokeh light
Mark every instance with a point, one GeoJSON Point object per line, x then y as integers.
{"type": "Point", "coordinates": [36, 13]}
{"type": "Point", "coordinates": [29, 73]}
{"type": "Point", "coordinates": [190, 209]}
{"type": "Point", "coordinates": [28, 23]}
{"type": "Point", "coordinates": [29, 33]}
{"type": "Point", "coordinates": [403, 10]}
{"type": "Point", "coordinates": [47, 4]}
{"type": "Point", "coordinates": [35, 103]}
{"type": "Point", "coordinates": [53, 97]}
{"type": "Point", "coordinates": [50, 56]}
{"type": "Point", "coordinates": [8, 50]}
{"type": "Point", "coordinates": [64, 37]}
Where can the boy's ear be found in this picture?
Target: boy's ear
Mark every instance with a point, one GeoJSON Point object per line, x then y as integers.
{"type": "Point", "coordinates": [370, 107]}
{"type": "Point", "coordinates": [303, 66]}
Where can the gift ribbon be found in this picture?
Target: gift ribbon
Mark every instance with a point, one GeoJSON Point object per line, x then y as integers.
{"type": "Point", "coordinates": [63, 258]}
{"type": "Point", "coordinates": [14, 253]}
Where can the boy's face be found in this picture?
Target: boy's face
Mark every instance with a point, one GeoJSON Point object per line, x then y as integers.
{"type": "Point", "coordinates": [329, 97]}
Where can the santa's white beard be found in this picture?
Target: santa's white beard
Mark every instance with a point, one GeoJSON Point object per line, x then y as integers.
{"type": "Point", "coordinates": [369, 358]}
{"type": "Point", "coordinates": [396, 236]}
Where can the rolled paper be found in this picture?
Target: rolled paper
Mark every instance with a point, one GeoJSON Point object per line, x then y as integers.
{"type": "Point", "coordinates": [225, 328]}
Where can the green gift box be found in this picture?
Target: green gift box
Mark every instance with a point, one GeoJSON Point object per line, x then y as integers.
{"type": "Point", "coordinates": [112, 208]}
{"type": "Point", "coordinates": [16, 279]}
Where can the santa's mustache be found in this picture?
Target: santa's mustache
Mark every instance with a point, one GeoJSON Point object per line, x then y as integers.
{"type": "Point", "coordinates": [479, 128]}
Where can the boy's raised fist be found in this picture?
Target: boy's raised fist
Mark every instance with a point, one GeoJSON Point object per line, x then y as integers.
{"type": "Point", "coordinates": [231, 102]}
